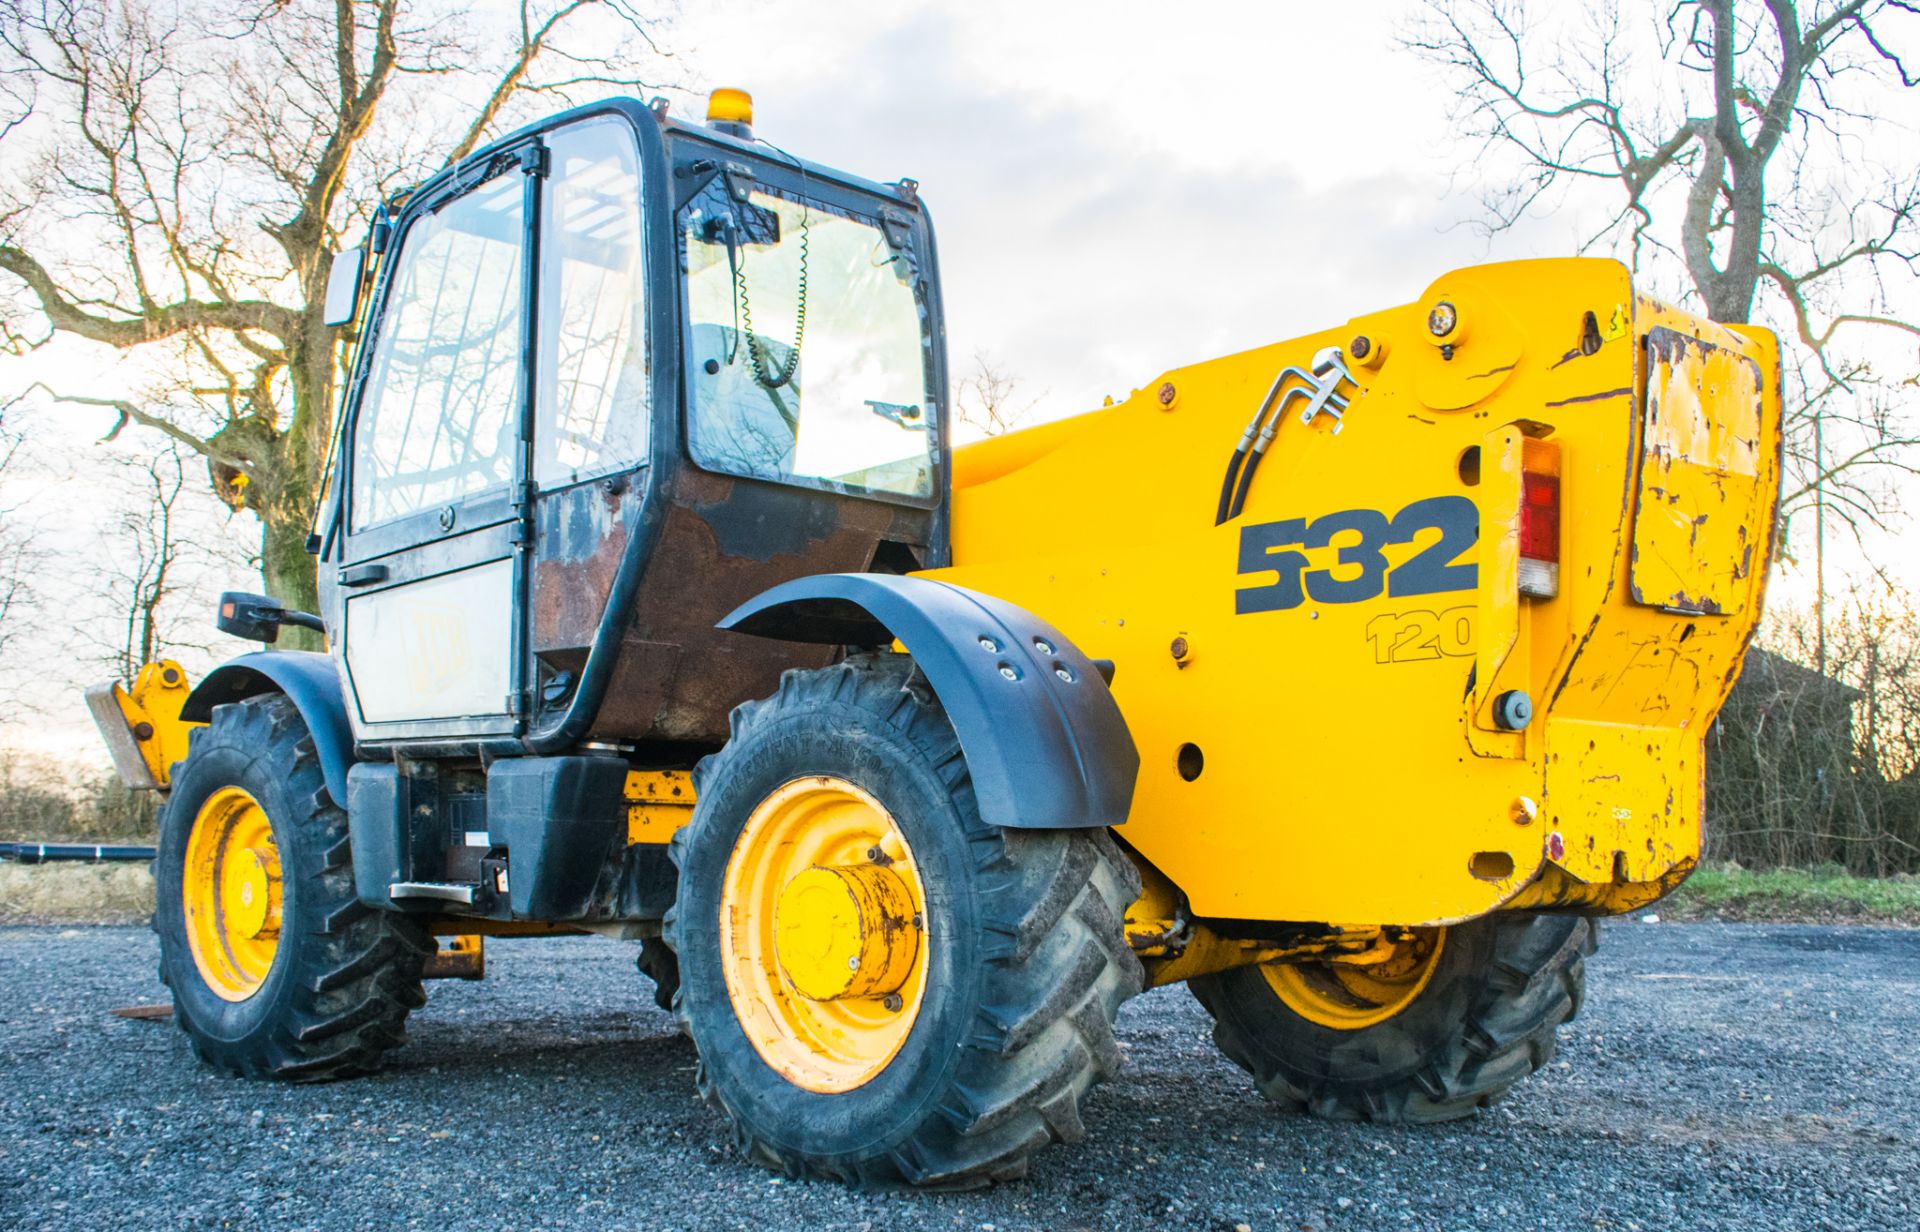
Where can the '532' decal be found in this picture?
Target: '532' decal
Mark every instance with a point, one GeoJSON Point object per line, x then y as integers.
{"type": "Point", "coordinates": [1432, 570]}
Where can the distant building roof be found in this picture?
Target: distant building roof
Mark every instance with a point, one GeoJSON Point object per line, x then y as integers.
{"type": "Point", "coordinates": [1767, 672]}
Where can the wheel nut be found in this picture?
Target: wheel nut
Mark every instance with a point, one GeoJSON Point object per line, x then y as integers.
{"type": "Point", "coordinates": [1180, 649]}
{"type": "Point", "coordinates": [893, 1002]}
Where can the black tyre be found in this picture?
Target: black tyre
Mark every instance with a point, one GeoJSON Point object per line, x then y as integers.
{"type": "Point", "coordinates": [1484, 1018]}
{"type": "Point", "coordinates": [1020, 960]}
{"type": "Point", "coordinates": [277, 970]}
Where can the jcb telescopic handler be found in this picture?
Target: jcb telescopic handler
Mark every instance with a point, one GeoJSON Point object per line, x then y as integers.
{"type": "Point", "coordinates": [1348, 679]}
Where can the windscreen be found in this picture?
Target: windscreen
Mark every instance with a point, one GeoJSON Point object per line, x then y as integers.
{"type": "Point", "coordinates": [809, 345]}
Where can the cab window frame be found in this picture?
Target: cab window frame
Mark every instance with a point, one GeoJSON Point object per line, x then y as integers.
{"type": "Point", "coordinates": [495, 505]}
{"type": "Point", "coordinates": [550, 275]}
{"type": "Point", "coordinates": [799, 183]}
{"type": "Point", "coordinates": [475, 510]}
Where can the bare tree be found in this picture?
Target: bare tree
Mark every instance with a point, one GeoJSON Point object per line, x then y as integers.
{"type": "Point", "coordinates": [144, 572]}
{"type": "Point", "coordinates": [16, 543]}
{"type": "Point", "coordinates": [985, 399]}
{"type": "Point", "coordinates": [1740, 148]}
{"type": "Point", "coordinates": [206, 161]}
{"type": "Point", "coordinates": [1806, 768]}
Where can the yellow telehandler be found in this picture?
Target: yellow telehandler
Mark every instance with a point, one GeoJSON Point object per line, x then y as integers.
{"type": "Point", "coordinates": [1349, 679]}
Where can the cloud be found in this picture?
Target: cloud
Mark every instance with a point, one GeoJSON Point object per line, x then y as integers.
{"type": "Point", "coordinates": [1084, 240]}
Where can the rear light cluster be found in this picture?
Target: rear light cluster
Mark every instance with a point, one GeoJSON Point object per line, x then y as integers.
{"type": "Point", "coordinates": [1540, 521]}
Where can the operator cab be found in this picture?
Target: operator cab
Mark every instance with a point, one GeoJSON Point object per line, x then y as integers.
{"type": "Point", "coordinates": [608, 339]}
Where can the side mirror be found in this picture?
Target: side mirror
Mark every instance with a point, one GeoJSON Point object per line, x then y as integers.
{"type": "Point", "coordinates": [257, 618]}
{"type": "Point", "coordinates": [343, 286]}
{"type": "Point", "coordinates": [253, 617]}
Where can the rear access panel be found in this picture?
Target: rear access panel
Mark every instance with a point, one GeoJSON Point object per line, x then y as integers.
{"type": "Point", "coordinates": [1701, 513]}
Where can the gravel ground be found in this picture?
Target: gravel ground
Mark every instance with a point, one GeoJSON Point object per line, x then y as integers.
{"type": "Point", "coordinates": [1722, 1076]}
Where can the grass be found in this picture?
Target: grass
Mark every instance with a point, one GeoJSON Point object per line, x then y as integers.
{"type": "Point", "coordinates": [123, 894]}
{"type": "Point", "coordinates": [1816, 896]}
{"type": "Point", "coordinates": [75, 894]}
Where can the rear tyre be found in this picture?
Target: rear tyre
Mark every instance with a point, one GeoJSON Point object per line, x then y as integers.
{"type": "Point", "coordinates": [1452, 1031]}
{"type": "Point", "coordinates": [883, 988]}
{"type": "Point", "coordinates": [277, 969]}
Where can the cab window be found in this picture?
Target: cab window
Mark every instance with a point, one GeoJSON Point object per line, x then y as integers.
{"type": "Point", "coordinates": [591, 407]}
{"type": "Point", "coordinates": [439, 417]}
{"type": "Point", "coordinates": [809, 360]}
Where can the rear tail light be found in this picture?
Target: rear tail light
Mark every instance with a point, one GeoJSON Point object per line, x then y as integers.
{"type": "Point", "coordinates": [1540, 525]}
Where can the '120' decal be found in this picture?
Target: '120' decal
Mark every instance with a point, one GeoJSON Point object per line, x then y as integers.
{"type": "Point", "coordinates": [1430, 571]}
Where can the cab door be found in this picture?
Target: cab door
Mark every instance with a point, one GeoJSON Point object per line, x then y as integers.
{"type": "Point", "coordinates": [593, 395]}
{"type": "Point", "coordinates": [431, 563]}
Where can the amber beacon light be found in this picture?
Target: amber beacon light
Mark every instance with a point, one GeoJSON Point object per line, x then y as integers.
{"type": "Point", "coordinates": [731, 111]}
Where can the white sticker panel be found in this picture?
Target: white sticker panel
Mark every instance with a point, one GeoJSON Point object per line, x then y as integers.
{"type": "Point", "coordinates": [436, 649]}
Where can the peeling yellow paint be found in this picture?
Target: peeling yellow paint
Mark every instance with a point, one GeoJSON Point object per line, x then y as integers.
{"type": "Point", "coordinates": [1702, 492]}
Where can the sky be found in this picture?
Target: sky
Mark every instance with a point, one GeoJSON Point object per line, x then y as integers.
{"type": "Point", "coordinates": [1118, 188]}
{"type": "Point", "coordinates": [1122, 193]}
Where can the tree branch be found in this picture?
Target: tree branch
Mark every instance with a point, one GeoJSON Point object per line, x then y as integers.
{"type": "Point", "coordinates": [130, 413]}
{"type": "Point", "coordinates": [154, 322]}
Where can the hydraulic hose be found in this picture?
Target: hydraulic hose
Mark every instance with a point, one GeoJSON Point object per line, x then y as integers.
{"type": "Point", "coordinates": [1260, 450]}
{"type": "Point", "coordinates": [1254, 425]}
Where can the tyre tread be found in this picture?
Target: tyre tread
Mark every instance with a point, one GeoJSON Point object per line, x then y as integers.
{"type": "Point", "coordinates": [350, 1009]}
{"type": "Point", "coordinates": [1532, 985]}
{"type": "Point", "coordinates": [1058, 965]}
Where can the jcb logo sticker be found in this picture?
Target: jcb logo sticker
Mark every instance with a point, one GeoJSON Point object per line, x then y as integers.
{"type": "Point", "coordinates": [1361, 572]}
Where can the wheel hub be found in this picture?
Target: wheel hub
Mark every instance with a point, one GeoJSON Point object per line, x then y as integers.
{"type": "Point", "coordinates": [823, 933]}
{"type": "Point", "coordinates": [230, 894]}
{"type": "Point", "coordinates": [1352, 996]}
{"type": "Point", "coordinates": [845, 932]}
{"type": "Point", "coordinates": [251, 899]}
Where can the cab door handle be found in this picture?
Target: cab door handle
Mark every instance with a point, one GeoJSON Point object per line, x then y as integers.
{"type": "Point", "coordinates": [362, 575]}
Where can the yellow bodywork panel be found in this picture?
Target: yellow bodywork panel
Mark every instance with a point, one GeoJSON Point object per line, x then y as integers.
{"type": "Point", "coordinates": [1311, 684]}
{"type": "Point", "coordinates": [1700, 472]}
{"type": "Point", "coordinates": [141, 724]}
{"type": "Point", "coordinates": [659, 802]}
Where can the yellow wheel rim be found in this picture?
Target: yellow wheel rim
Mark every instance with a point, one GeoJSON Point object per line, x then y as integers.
{"type": "Point", "coordinates": [823, 934]}
{"type": "Point", "coordinates": [1348, 996]}
{"type": "Point", "coordinates": [231, 894]}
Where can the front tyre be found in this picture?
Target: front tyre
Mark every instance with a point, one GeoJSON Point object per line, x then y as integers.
{"type": "Point", "coordinates": [277, 970]}
{"type": "Point", "coordinates": [882, 987]}
{"type": "Point", "coordinates": [1447, 1024]}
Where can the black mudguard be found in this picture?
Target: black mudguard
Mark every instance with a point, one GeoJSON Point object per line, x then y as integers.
{"type": "Point", "coordinates": [1045, 742]}
{"type": "Point", "coordinates": [309, 681]}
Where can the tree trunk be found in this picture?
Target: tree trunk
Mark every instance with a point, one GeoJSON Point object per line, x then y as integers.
{"type": "Point", "coordinates": [286, 513]}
